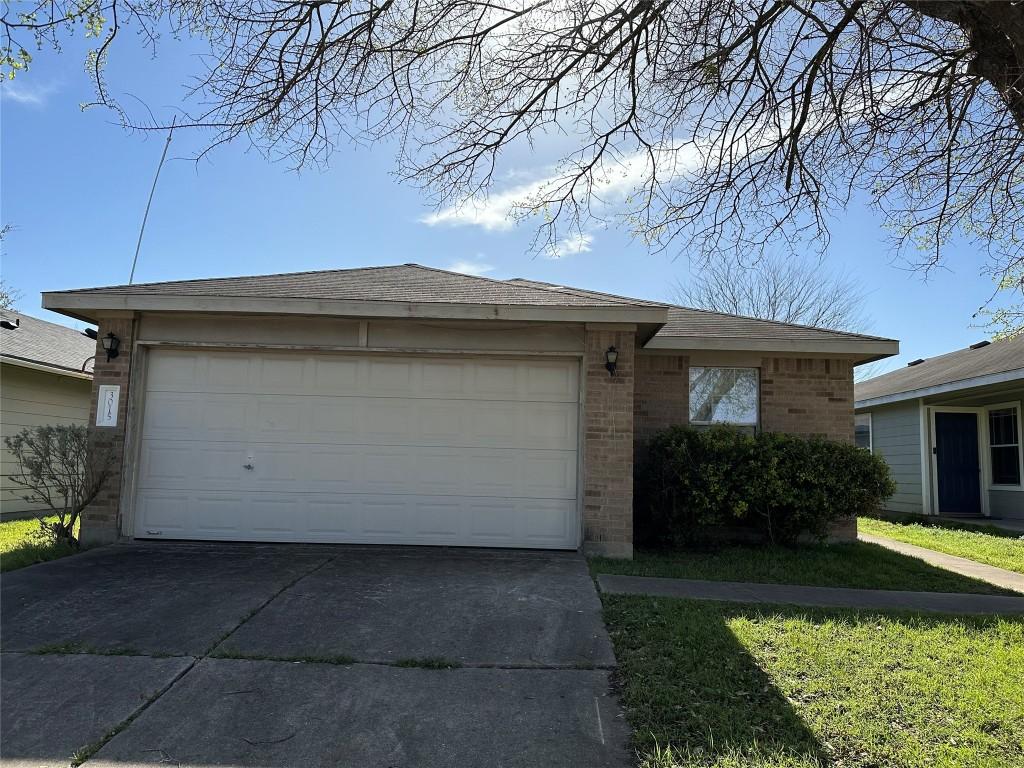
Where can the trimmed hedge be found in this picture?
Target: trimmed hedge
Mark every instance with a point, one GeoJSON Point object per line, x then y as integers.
{"type": "Point", "coordinates": [692, 482]}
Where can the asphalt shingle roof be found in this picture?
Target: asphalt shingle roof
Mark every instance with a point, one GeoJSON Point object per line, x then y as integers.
{"type": "Point", "coordinates": [403, 283]}
{"type": "Point", "coordinates": [37, 341]}
{"type": "Point", "coordinates": [685, 322]}
{"type": "Point", "coordinates": [997, 357]}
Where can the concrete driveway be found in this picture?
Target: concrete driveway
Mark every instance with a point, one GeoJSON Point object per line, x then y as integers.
{"type": "Point", "coordinates": [252, 655]}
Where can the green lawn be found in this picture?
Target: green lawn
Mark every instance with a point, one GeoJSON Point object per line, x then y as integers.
{"type": "Point", "coordinates": [856, 564]}
{"type": "Point", "coordinates": [732, 686]}
{"type": "Point", "coordinates": [990, 545]}
{"type": "Point", "coordinates": [19, 547]}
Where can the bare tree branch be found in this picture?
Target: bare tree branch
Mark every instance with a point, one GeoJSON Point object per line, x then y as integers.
{"type": "Point", "coordinates": [728, 127]}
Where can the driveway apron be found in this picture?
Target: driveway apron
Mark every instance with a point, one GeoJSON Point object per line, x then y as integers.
{"type": "Point", "coordinates": [252, 655]}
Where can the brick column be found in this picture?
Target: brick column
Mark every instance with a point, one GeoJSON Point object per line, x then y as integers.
{"type": "Point", "coordinates": [608, 443]}
{"type": "Point", "coordinates": [100, 520]}
{"type": "Point", "coordinates": [810, 397]}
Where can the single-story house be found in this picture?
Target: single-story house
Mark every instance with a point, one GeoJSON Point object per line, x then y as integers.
{"type": "Point", "coordinates": [45, 378]}
{"type": "Point", "coordinates": [950, 429]}
{"type": "Point", "coordinates": [410, 405]}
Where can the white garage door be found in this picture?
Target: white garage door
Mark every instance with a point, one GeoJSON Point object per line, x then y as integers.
{"type": "Point", "coordinates": [368, 449]}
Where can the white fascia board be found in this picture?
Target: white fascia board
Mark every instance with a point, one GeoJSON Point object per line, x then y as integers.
{"type": "Point", "coordinates": [8, 360]}
{"type": "Point", "coordinates": [88, 305]}
{"type": "Point", "coordinates": [942, 389]}
{"type": "Point", "coordinates": [864, 350]}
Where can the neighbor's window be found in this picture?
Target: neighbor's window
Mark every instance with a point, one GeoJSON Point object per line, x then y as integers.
{"type": "Point", "coordinates": [1004, 444]}
{"type": "Point", "coordinates": [862, 430]}
{"type": "Point", "coordinates": [723, 396]}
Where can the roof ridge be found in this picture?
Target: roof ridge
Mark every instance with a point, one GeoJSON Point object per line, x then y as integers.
{"type": "Point", "coordinates": [561, 289]}
{"type": "Point", "coordinates": [242, 277]}
{"type": "Point", "coordinates": [586, 291]}
{"type": "Point", "coordinates": [780, 322]}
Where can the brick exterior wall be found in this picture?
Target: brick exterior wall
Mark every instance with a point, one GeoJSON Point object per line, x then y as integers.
{"type": "Point", "coordinates": [810, 397]}
{"type": "Point", "coordinates": [608, 445]}
{"type": "Point", "coordinates": [100, 520]}
{"type": "Point", "coordinates": [661, 393]}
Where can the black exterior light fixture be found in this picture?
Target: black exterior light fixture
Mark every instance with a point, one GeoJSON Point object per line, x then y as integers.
{"type": "Point", "coordinates": [611, 359]}
{"type": "Point", "coordinates": [110, 344]}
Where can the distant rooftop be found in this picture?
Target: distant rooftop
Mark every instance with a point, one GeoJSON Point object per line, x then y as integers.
{"type": "Point", "coordinates": [45, 344]}
{"type": "Point", "coordinates": [1003, 359]}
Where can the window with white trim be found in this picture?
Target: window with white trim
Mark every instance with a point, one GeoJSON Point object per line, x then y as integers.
{"type": "Point", "coordinates": [1004, 445]}
{"type": "Point", "coordinates": [723, 396]}
{"type": "Point", "coordinates": [862, 431]}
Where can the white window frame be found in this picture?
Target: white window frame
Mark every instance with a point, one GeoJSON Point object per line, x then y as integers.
{"type": "Point", "coordinates": [871, 429]}
{"type": "Point", "coordinates": [757, 395]}
{"type": "Point", "coordinates": [989, 482]}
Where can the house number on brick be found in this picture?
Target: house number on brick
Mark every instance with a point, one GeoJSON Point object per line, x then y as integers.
{"type": "Point", "coordinates": [106, 409]}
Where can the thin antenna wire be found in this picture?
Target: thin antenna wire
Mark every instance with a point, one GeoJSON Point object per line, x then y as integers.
{"type": "Point", "coordinates": [145, 216]}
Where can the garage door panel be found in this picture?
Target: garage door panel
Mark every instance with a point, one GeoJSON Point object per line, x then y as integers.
{"type": "Point", "coordinates": [359, 449]}
{"type": "Point", "coordinates": [545, 521]}
{"type": "Point", "coordinates": [285, 373]}
{"type": "Point", "coordinates": [270, 515]}
{"type": "Point", "coordinates": [385, 421]}
{"type": "Point", "coordinates": [392, 377]}
{"type": "Point", "coordinates": [444, 378]}
{"type": "Point", "coordinates": [337, 518]}
{"type": "Point", "coordinates": [173, 371]}
{"type": "Point", "coordinates": [551, 475]}
{"type": "Point", "coordinates": [553, 425]}
{"type": "Point", "coordinates": [218, 513]}
{"type": "Point", "coordinates": [229, 372]}
{"type": "Point", "coordinates": [169, 514]}
{"type": "Point", "coordinates": [551, 382]}
{"type": "Point", "coordinates": [334, 374]}
{"type": "Point", "coordinates": [182, 465]}
{"type": "Point", "coordinates": [385, 518]}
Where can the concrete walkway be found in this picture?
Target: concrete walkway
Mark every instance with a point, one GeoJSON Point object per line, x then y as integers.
{"type": "Point", "coordinates": [1000, 577]}
{"type": "Point", "coordinates": [824, 597]}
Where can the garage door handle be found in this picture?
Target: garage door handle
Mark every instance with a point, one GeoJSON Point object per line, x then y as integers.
{"type": "Point", "coordinates": [248, 466]}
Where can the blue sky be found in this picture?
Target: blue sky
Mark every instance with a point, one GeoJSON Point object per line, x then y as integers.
{"type": "Point", "coordinates": [74, 186]}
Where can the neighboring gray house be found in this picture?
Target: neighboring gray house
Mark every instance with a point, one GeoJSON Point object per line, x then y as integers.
{"type": "Point", "coordinates": [45, 378]}
{"type": "Point", "coordinates": [950, 429]}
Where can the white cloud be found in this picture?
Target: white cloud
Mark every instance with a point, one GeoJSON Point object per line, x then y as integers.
{"type": "Point", "coordinates": [32, 94]}
{"type": "Point", "coordinates": [571, 246]}
{"type": "Point", "coordinates": [476, 268]}
{"type": "Point", "coordinates": [611, 183]}
{"type": "Point", "coordinates": [492, 213]}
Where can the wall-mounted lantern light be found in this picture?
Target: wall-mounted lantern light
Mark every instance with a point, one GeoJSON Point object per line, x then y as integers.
{"type": "Point", "coordinates": [611, 359]}
{"type": "Point", "coordinates": [110, 344]}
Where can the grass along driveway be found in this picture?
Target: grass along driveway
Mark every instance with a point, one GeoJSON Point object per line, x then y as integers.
{"type": "Point", "coordinates": [992, 547]}
{"type": "Point", "coordinates": [19, 545]}
{"type": "Point", "coordinates": [857, 564]}
{"type": "Point", "coordinates": [714, 685]}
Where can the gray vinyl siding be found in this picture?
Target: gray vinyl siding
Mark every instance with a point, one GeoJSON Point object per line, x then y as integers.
{"type": "Point", "coordinates": [30, 398]}
{"type": "Point", "coordinates": [896, 437]}
{"type": "Point", "coordinates": [1006, 504]}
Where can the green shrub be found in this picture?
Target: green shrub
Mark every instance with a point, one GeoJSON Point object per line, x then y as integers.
{"type": "Point", "coordinates": [692, 482]}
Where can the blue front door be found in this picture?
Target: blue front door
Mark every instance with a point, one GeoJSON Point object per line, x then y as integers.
{"type": "Point", "coordinates": [958, 465]}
